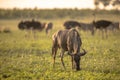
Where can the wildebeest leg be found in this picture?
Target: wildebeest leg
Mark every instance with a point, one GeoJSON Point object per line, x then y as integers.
{"type": "Point", "coordinates": [27, 33]}
{"type": "Point", "coordinates": [99, 31]}
{"type": "Point", "coordinates": [106, 33]}
{"type": "Point", "coordinates": [102, 32]}
{"type": "Point", "coordinates": [92, 31]}
{"type": "Point", "coordinates": [34, 34]}
{"type": "Point", "coordinates": [69, 53]}
{"type": "Point", "coordinates": [54, 51]}
{"type": "Point", "coordinates": [31, 30]}
{"type": "Point", "coordinates": [72, 62]}
{"type": "Point", "coordinates": [46, 30]}
{"type": "Point", "coordinates": [62, 55]}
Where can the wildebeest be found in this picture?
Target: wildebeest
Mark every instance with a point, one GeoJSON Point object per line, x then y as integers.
{"type": "Point", "coordinates": [48, 27]}
{"type": "Point", "coordinates": [71, 24]}
{"type": "Point", "coordinates": [68, 40]}
{"type": "Point", "coordinates": [102, 25]}
{"type": "Point", "coordinates": [114, 27]}
{"type": "Point", "coordinates": [34, 25]}
{"type": "Point", "coordinates": [87, 27]}
{"type": "Point", "coordinates": [31, 25]}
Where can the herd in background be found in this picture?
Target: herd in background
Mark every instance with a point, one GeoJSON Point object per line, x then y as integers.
{"type": "Point", "coordinates": [101, 25]}
{"type": "Point", "coordinates": [34, 26]}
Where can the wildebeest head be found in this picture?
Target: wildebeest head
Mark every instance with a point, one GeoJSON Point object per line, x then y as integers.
{"type": "Point", "coordinates": [21, 25]}
{"type": "Point", "coordinates": [76, 59]}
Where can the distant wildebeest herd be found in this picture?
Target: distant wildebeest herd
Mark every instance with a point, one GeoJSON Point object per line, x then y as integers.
{"type": "Point", "coordinates": [35, 26]}
{"type": "Point", "coordinates": [69, 39]}
{"type": "Point", "coordinates": [102, 25]}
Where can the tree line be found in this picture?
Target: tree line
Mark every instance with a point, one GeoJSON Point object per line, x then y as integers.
{"type": "Point", "coordinates": [115, 3]}
{"type": "Point", "coordinates": [50, 13]}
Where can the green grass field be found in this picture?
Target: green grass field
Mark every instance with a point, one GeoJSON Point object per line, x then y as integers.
{"type": "Point", "coordinates": [28, 59]}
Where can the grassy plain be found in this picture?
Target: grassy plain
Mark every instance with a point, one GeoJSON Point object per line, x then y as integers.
{"type": "Point", "coordinates": [28, 59]}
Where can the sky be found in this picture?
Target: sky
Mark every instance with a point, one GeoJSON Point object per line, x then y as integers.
{"type": "Point", "coordinates": [80, 4]}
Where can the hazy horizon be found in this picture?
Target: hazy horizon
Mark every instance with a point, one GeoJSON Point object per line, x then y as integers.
{"type": "Point", "coordinates": [47, 4]}
{"type": "Point", "coordinates": [50, 4]}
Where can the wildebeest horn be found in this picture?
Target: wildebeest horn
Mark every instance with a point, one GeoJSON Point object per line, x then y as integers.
{"type": "Point", "coordinates": [70, 54]}
{"type": "Point", "coordinates": [83, 53]}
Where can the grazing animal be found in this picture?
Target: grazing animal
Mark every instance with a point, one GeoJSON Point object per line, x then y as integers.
{"type": "Point", "coordinates": [68, 40]}
{"type": "Point", "coordinates": [87, 27]}
{"type": "Point", "coordinates": [48, 27]}
{"type": "Point", "coordinates": [102, 25]}
{"type": "Point", "coordinates": [31, 25]}
{"type": "Point", "coordinates": [34, 25]}
{"type": "Point", "coordinates": [71, 24]}
{"type": "Point", "coordinates": [114, 27]}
